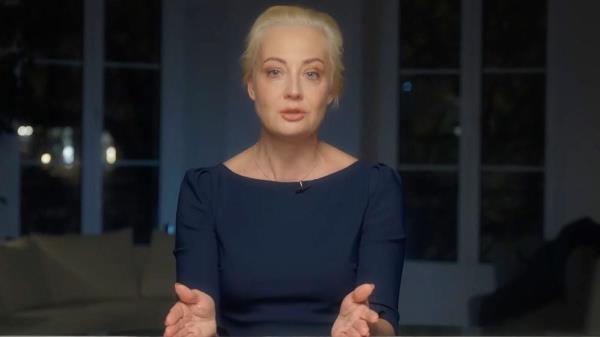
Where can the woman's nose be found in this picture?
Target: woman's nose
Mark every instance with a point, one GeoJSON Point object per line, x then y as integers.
{"type": "Point", "coordinates": [294, 88]}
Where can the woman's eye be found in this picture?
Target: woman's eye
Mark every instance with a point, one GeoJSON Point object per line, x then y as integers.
{"type": "Point", "coordinates": [312, 75]}
{"type": "Point", "coordinates": [273, 72]}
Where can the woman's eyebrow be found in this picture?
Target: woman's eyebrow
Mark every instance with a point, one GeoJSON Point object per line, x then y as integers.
{"type": "Point", "coordinates": [316, 59]}
{"type": "Point", "coordinates": [277, 59]}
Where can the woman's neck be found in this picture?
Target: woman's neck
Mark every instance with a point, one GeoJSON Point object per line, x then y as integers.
{"type": "Point", "coordinates": [287, 160]}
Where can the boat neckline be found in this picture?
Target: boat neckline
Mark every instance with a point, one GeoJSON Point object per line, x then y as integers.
{"type": "Point", "coordinates": [329, 176]}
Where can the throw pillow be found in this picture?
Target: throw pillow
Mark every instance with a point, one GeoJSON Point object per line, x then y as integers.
{"type": "Point", "coordinates": [88, 267]}
{"type": "Point", "coordinates": [22, 280]}
{"type": "Point", "coordinates": [158, 276]}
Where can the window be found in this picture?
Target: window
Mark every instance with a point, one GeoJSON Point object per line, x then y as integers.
{"type": "Point", "coordinates": [429, 125]}
{"type": "Point", "coordinates": [53, 61]}
{"type": "Point", "coordinates": [131, 116]}
{"type": "Point", "coordinates": [479, 150]}
{"type": "Point", "coordinates": [512, 123]}
{"type": "Point", "coordinates": [47, 78]}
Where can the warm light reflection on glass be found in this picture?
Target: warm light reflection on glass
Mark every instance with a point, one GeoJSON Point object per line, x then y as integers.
{"type": "Point", "coordinates": [25, 130]}
{"type": "Point", "coordinates": [46, 158]}
{"type": "Point", "coordinates": [111, 155]}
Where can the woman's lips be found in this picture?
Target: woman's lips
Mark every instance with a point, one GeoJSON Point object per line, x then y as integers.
{"type": "Point", "coordinates": [292, 115]}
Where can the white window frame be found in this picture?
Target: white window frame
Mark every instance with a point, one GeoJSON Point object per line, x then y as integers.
{"type": "Point", "coordinates": [425, 281]}
{"type": "Point", "coordinates": [469, 166]}
{"type": "Point", "coordinates": [93, 67]}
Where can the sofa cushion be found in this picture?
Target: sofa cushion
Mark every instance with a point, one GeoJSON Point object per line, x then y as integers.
{"type": "Point", "coordinates": [22, 281]}
{"type": "Point", "coordinates": [140, 255]}
{"type": "Point", "coordinates": [579, 269]}
{"type": "Point", "coordinates": [158, 276]}
{"type": "Point", "coordinates": [111, 317]}
{"type": "Point", "coordinates": [592, 320]}
{"type": "Point", "coordinates": [91, 267]}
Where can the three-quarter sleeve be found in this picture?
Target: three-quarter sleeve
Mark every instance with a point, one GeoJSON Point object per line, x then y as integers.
{"type": "Point", "coordinates": [382, 243]}
{"type": "Point", "coordinates": [195, 250]}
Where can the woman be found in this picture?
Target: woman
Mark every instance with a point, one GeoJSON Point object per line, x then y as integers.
{"type": "Point", "coordinates": [292, 236]}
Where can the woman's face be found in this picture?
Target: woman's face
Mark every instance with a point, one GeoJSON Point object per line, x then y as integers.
{"type": "Point", "coordinates": [290, 85]}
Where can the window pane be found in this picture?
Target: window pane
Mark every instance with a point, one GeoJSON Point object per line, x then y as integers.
{"type": "Point", "coordinates": [63, 144]}
{"type": "Point", "coordinates": [50, 199]}
{"type": "Point", "coordinates": [430, 204]}
{"type": "Point", "coordinates": [429, 119]}
{"type": "Point", "coordinates": [133, 30]}
{"type": "Point", "coordinates": [512, 206]}
{"type": "Point", "coordinates": [514, 33]}
{"type": "Point", "coordinates": [132, 112]}
{"type": "Point", "coordinates": [130, 200]}
{"type": "Point", "coordinates": [429, 34]}
{"type": "Point", "coordinates": [513, 119]}
{"type": "Point", "coordinates": [8, 92]}
{"type": "Point", "coordinates": [11, 16]}
{"type": "Point", "coordinates": [53, 29]}
{"type": "Point", "coordinates": [49, 104]}
{"type": "Point", "coordinates": [50, 95]}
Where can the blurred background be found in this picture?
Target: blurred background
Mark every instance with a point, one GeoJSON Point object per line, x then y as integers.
{"type": "Point", "coordinates": [490, 110]}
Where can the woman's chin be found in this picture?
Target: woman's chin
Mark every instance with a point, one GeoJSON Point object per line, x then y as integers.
{"type": "Point", "coordinates": [292, 131]}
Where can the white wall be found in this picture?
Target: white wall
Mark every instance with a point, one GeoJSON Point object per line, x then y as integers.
{"type": "Point", "coordinates": [10, 178]}
{"type": "Point", "coordinates": [574, 107]}
{"type": "Point", "coordinates": [438, 293]}
{"type": "Point", "coordinates": [207, 71]}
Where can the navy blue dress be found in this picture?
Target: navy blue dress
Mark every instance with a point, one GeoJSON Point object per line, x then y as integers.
{"type": "Point", "coordinates": [278, 261]}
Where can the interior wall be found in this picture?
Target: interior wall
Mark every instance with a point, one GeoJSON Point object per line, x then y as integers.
{"type": "Point", "coordinates": [10, 178]}
{"type": "Point", "coordinates": [574, 107]}
{"type": "Point", "coordinates": [207, 73]}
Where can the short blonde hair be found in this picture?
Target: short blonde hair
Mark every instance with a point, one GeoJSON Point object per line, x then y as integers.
{"type": "Point", "coordinates": [295, 15]}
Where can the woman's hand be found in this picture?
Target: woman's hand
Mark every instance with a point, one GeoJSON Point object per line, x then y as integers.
{"type": "Point", "coordinates": [354, 316]}
{"type": "Point", "coordinates": [193, 315]}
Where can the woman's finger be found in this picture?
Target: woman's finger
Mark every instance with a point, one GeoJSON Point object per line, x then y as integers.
{"type": "Point", "coordinates": [369, 316]}
{"type": "Point", "coordinates": [339, 333]}
{"type": "Point", "coordinates": [182, 332]}
{"type": "Point", "coordinates": [181, 290]}
{"type": "Point", "coordinates": [362, 292]}
{"type": "Point", "coordinates": [187, 295]}
{"type": "Point", "coordinates": [183, 323]}
{"type": "Point", "coordinates": [175, 313]}
{"type": "Point", "coordinates": [206, 310]}
{"type": "Point", "coordinates": [347, 304]}
{"type": "Point", "coordinates": [361, 326]}
{"type": "Point", "coordinates": [351, 332]}
{"type": "Point", "coordinates": [170, 331]}
{"type": "Point", "coordinates": [359, 296]}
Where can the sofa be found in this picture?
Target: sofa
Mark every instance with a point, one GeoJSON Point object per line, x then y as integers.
{"type": "Point", "coordinates": [86, 285]}
{"type": "Point", "coordinates": [577, 311]}
{"type": "Point", "coordinates": [573, 311]}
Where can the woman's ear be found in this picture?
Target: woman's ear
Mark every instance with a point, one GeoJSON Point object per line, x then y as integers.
{"type": "Point", "coordinates": [250, 89]}
{"type": "Point", "coordinates": [330, 98]}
